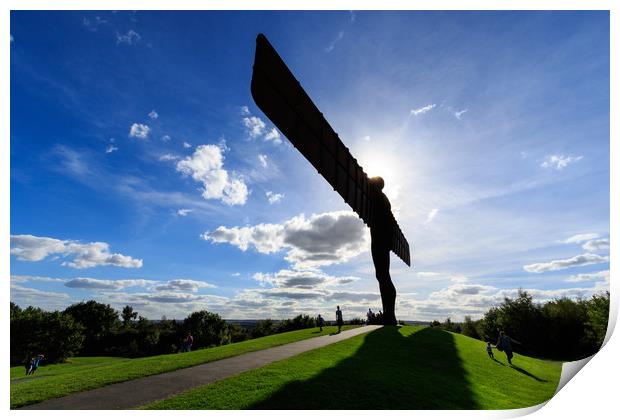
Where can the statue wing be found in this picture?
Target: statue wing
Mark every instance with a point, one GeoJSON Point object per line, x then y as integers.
{"type": "Point", "coordinates": [283, 100]}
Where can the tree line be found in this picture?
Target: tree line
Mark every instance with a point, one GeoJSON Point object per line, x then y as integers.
{"type": "Point", "coordinates": [96, 329]}
{"type": "Point", "coordinates": [560, 329]}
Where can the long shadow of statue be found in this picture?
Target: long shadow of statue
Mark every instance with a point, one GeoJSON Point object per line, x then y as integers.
{"type": "Point", "coordinates": [389, 371]}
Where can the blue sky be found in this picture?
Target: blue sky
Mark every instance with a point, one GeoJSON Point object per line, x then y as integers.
{"type": "Point", "coordinates": [142, 173]}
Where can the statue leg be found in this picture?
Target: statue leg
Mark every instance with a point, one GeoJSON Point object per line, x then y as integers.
{"type": "Point", "coordinates": [381, 258]}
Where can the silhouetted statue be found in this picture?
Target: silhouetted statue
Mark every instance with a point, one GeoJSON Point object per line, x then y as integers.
{"type": "Point", "coordinates": [280, 96]}
{"type": "Point", "coordinates": [381, 237]}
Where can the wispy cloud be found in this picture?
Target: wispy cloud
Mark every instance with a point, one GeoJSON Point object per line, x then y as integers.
{"type": "Point", "coordinates": [579, 260]}
{"type": "Point", "coordinates": [111, 148]}
{"type": "Point", "coordinates": [332, 44]}
{"type": "Point", "coordinates": [459, 114]}
{"type": "Point", "coordinates": [582, 237]}
{"type": "Point", "coordinates": [431, 215]}
{"type": "Point", "coordinates": [422, 110]}
{"type": "Point", "coordinates": [184, 212]}
{"type": "Point", "coordinates": [596, 245]}
{"type": "Point", "coordinates": [274, 197]}
{"type": "Point", "coordinates": [263, 160]}
{"type": "Point", "coordinates": [559, 162]}
{"type": "Point", "coordinates": [130, 38]}
{"type": "Point", "coordinates": [153, 115]}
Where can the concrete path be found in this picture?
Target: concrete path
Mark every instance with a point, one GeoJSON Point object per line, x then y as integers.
{"type": "Point", "coordinates": [142, 391]}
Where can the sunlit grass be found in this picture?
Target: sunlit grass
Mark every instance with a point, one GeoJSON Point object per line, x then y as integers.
{"type": "Point", "coordinates": [391, 368]}
{"type": "Point", "coordinates": [87, 373]}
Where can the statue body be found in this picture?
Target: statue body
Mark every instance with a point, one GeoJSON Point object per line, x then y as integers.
{"type": "Point", "coordinates": [381, 231]}
{"type": "Point", "coordinates": [283, 100]}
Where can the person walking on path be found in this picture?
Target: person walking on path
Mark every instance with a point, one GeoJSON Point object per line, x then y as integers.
{"type": "Point", "coordinates": [320, 322]}
{"type": "Point", "coordinates": [339, 320]}
{"type": "Point", "coordinates": [504, 343]}
{"type": "Point", "coordinates": [189, 340]}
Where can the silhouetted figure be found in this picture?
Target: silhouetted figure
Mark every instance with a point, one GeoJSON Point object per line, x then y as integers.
{"type": "Point", "coordinates": [320, 322]}
{"type": "Point", "coordinates": [490, 350]}
{"type": "Point", "coordinates": [380, 245]}
{"type": "Point", "coordinates": [189, 341]}
{"type": "Point", "coordinates": [339, 320]}
{"type": "Point", "coordinates": [370, 317]}
{"type": "Point", "coordinates": [283, 100]}
{"type": "Point", "coordinates": [504, 343]}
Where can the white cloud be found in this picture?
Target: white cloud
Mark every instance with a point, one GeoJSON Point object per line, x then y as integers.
{"type": "Point", "coordinates": [263, 160]}
{"type": "Point", "coordinates": [422, 110]}
{"type": "Point", "coordinates": [186, 145]}
{"type": "Point", "coordinates": [559, 162]}
{"type": "Point", "coordinates": [579, 260]}
{"type": "Point", "coordinates": [301, 279]}
{"type": "Point", "coordinates": [583, 277]}
{"type": "Point", "coordinates": [184, 212]}
{"type": "Point", "coordinates": [582, 237]}
{"type": "Point", "coordinates": [206, 165]}
{"type": "Point", "coordinates": [596, 245]}
{"type": "Point", "coordinates": [35, 248]}
{"type": "Point", "coordinates": [274, 136]}
{"type": "Point", "coordinates": [153, 115]}
{"type": "Point", "coordinates": [111, 148]}
{"type": "Point", "coordinates": [332, 44]}
{"type": "Point", "coordinates": [431, 215]}
{"type": "Point", "coordinates": [274, 197]}
{"type": "Point", "coordinates": [26, 296]}
{"type": "Point", "coordinates": [45, 279]}
{"type": "Point", "coordinates": [322, 239]}
{"type": "Point", "coordinates": [168, 157]}
{"type": "Point", "coordinates": [459, 114]}
{"type": "Point", "coordinates": [185, 285]}
{"type": "Point", "coordinates": [140, 131]}
{"type": "Point", "coordinates": [427, 274]}
{"type": "Point", "coordinates": [130, 38]}
{"type": "Point", "coordinates": [255, 126]}
{"type": "Point", "coordinates": [98, 284]}
{"type": "Point", "coordinates": [165, 138]}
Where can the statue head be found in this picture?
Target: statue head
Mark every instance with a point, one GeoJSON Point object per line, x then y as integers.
{"type": "Point", "coordinates": [378, 182]}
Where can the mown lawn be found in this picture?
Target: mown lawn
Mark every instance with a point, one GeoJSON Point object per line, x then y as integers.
{"type": "Point", "coordinates": [81, 374]}
{"type": "Point", "coordinates": [391, 368]}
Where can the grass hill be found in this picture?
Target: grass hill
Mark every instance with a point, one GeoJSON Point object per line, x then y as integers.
{"type": "Point", "coordinates": [390, 368]}
{"type": "Point", "coordinates": [84, 373]}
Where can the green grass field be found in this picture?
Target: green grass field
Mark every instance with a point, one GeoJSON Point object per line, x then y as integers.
{"type": "Point", "coordinates": [391, 368]}
{"type": "Point", "coordinates": [83, 373]}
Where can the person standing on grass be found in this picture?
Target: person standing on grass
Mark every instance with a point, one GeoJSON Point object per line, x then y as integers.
{"type": "Point", "coordinates": [28, 364]}
{"type": "Point", "coordinates": [504, 343]}
{"type": "Point", "coordinates": [490, 350]}
{"type": "Point", "coordinates": [189, 340]}
{"type": "Point", "coordinates": [339, 320]}
{"type": "Point", "coordinates": [320, 322]}
{"type": "Point", "coordinates": [35, 363]}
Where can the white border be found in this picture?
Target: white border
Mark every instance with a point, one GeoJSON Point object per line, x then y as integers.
{"type": "Point", "coordinates": [590, 394]}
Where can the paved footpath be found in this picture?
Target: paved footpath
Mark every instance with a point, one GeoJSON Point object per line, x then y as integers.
{"type": "Point", "coordinates": [137, 392]}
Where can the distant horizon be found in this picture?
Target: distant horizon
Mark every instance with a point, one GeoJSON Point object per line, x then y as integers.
{"type": "Point", "coordinates": [143, 174]}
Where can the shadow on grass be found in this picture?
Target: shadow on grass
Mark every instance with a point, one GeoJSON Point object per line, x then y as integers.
{"type": "Point", "coordinates": [526, 373]}
{"type": "Point", "coordinates": [389, 371]}
{"type": "Point", "coordinates": [497, 361]}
